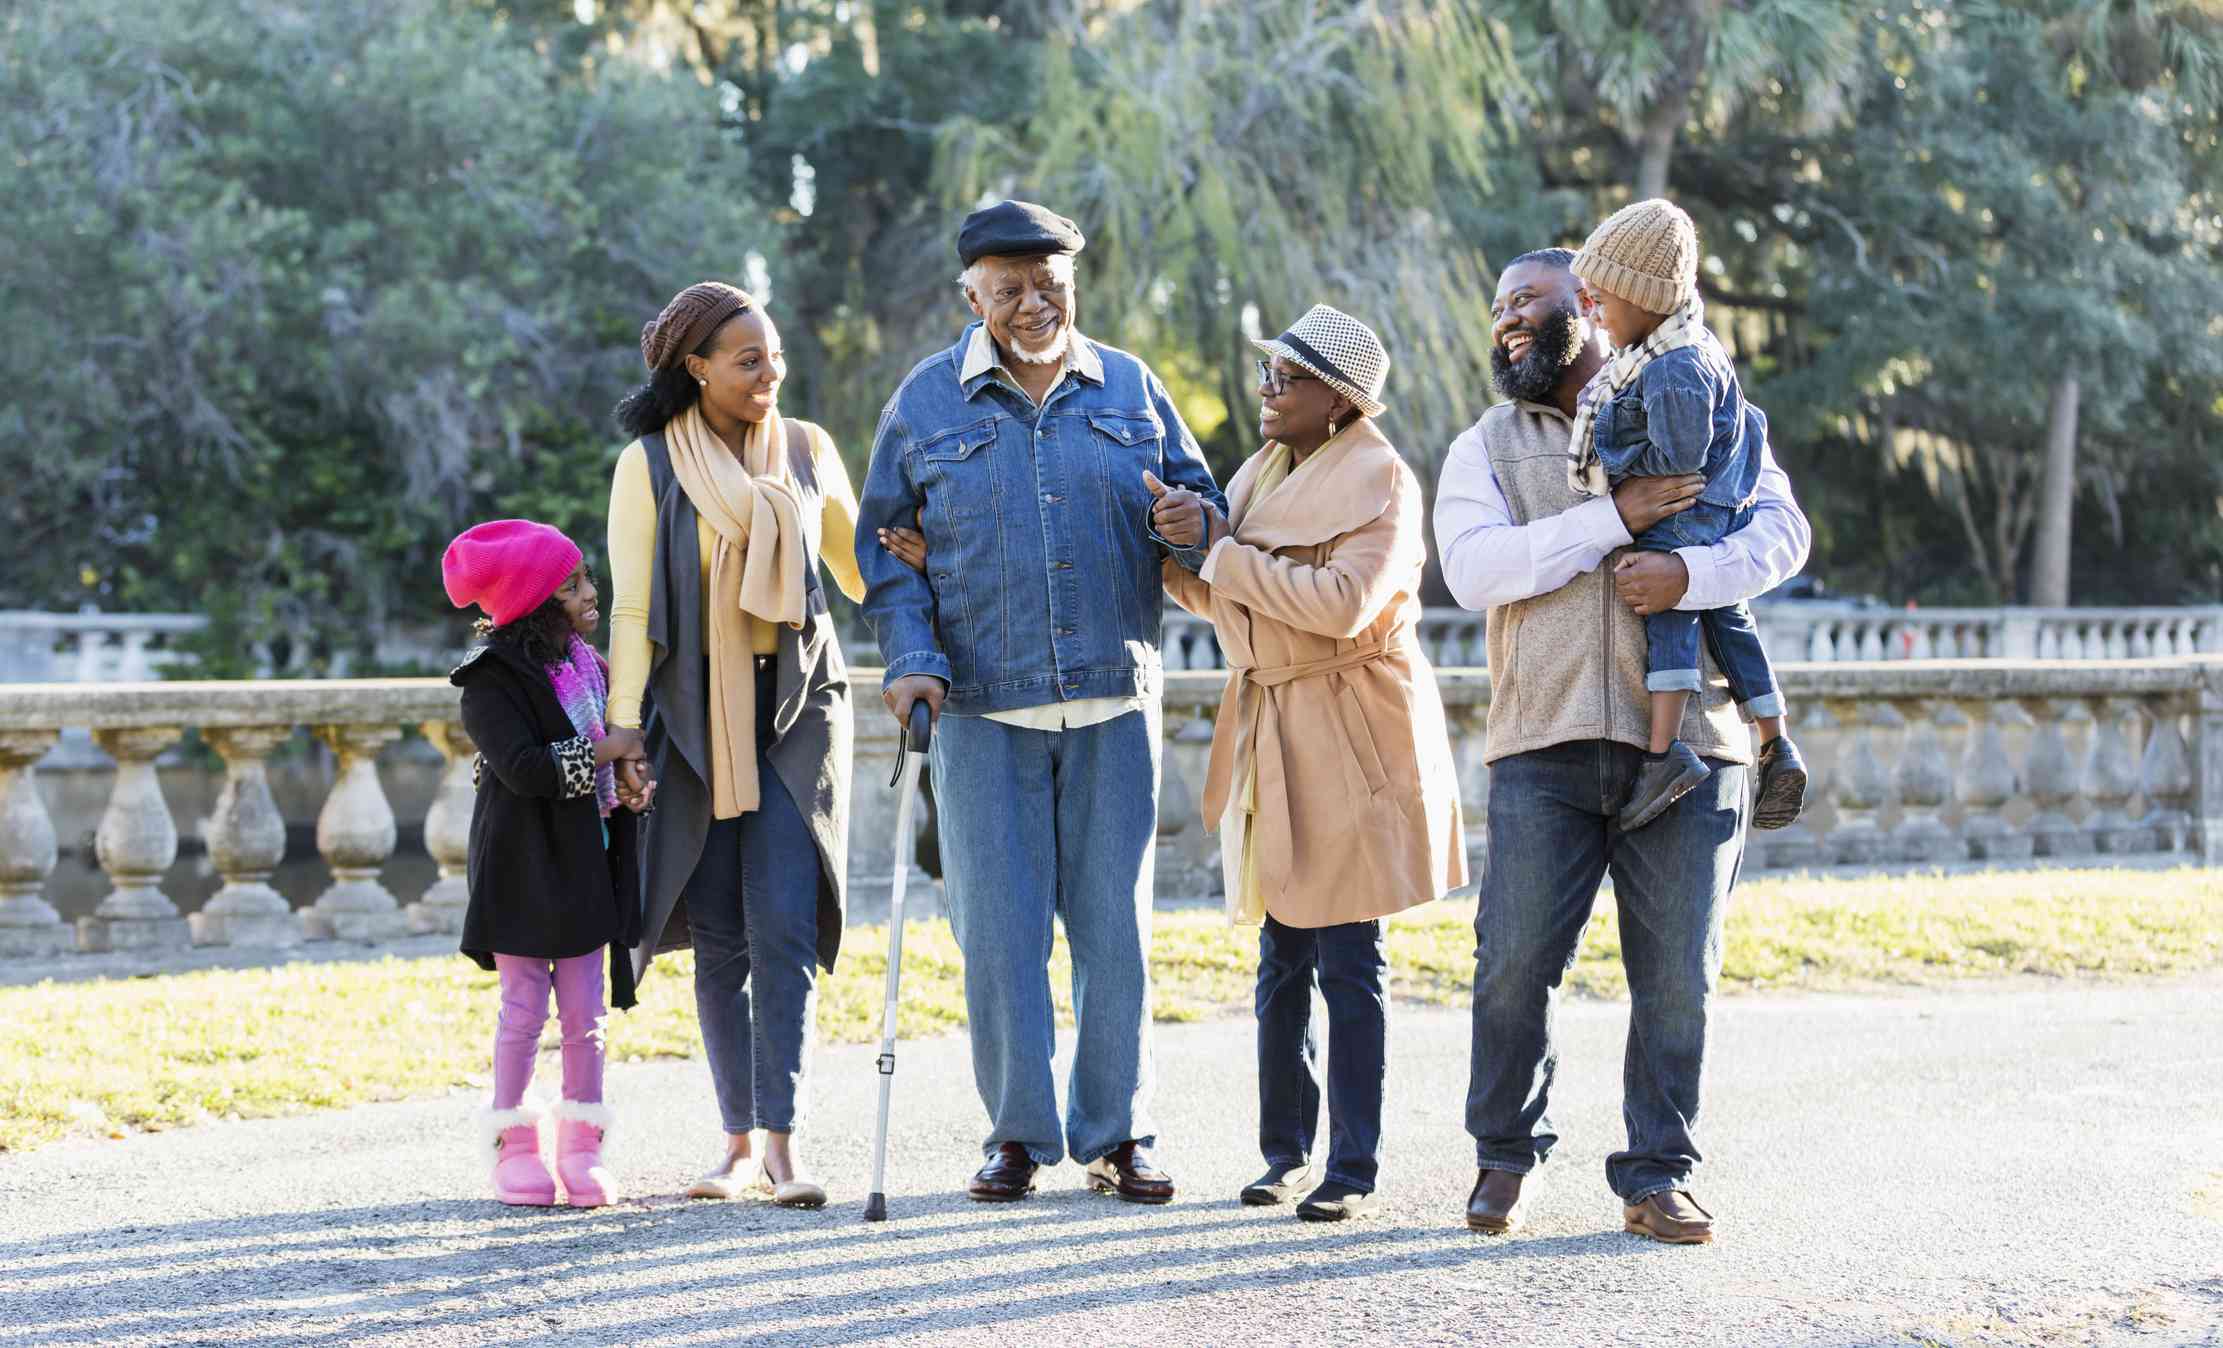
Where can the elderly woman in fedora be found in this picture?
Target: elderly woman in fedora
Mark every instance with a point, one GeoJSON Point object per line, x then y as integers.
{"type": "Point", "coordinates": [721, 510]}
{"type": "Point", "coordinates": [1331, 784]}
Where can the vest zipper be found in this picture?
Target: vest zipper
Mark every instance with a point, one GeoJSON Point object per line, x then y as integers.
{"type": "Point", "coordinates": [1605, 671]}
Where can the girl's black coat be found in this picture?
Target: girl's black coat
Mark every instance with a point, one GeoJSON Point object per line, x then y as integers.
{"type": "Point", "coordinates": [542, 885]}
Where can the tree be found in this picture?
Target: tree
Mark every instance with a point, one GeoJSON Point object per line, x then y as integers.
{"type": "Point", "coordinates": [319, 295]}
{"type": "Point", "coordinates": [1235, 163]}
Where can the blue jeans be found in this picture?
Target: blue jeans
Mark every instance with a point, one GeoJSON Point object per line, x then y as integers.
{"type": "Point", "coordinates": [1036, 823]}
{"type": "Point", "coordinates": [1671, 638]}
{"type": "Point", "coordinates": [1551, 841]}
{"type": "Point", "coordinates": [1347, 962]}
{"type": "Point", "coordinates": [752, 904]}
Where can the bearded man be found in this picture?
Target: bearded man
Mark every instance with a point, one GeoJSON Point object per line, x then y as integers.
{"type": "Point", "coordinates": [1028, 455]}
{"type": "Point", "coordinates": [1567, 728]}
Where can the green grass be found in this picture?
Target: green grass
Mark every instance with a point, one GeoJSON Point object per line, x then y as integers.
{"type": "Point", "coordinates": [109, 1057]}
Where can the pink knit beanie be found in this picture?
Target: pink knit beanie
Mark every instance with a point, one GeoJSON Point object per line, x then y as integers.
{"type": "Point", "coordinates": [507, 567]}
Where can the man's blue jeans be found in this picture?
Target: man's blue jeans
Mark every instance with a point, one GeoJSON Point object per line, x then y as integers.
{"type": "Point", "coordinates": [1036, 823]}
{"type": "Point", "coordinates": [1552, 840]}
{"type": "Point", "coordinates": [1348, 962]}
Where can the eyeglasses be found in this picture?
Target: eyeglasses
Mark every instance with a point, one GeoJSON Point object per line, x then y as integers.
{"type": "Point", "coordinates": [1273, 383]}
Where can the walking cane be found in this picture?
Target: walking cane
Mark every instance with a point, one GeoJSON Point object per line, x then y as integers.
{"type": "Point", "coordinates": [910, 754]}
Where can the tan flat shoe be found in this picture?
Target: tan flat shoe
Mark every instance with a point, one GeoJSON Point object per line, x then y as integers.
{"type": "Point", "coordinates": [729, 1181]}
{"type": "Point", "coordinates": [799, 1193]}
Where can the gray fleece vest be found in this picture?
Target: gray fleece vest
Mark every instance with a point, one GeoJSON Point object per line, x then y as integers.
{"type": "Point", "coordinates": [1569, 665]}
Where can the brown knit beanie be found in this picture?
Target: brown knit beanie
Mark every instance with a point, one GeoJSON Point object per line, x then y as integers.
{"type": "Point", "coordinates": [1646, 254]}
{"type": "Point", "coordinates": [692, 315]}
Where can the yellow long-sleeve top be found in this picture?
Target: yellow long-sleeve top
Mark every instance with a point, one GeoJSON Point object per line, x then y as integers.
{"type": "Point", "coordinates": [633, 564]}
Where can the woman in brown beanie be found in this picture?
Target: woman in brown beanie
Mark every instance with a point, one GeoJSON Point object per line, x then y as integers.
{"type": "Point", "coordinates": [720, 512]}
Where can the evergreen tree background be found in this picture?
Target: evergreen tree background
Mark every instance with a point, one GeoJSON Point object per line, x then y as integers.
{"type": "Point", "coordinates": [298, 289]}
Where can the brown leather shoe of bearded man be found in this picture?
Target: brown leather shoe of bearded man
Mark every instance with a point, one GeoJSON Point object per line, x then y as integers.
{"type": "Point", "coordinates": [1495, 1204]}
{"type": "Point", "coordinates": [1007, 1178]}
{"type": "Point", "coordinates": [1673, 1217]}
{"type": "Point", "coordinates": [1126, 1170]}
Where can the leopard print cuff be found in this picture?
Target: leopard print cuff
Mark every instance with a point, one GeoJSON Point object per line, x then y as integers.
{"type": "Point", "coordinates": [575, 764]}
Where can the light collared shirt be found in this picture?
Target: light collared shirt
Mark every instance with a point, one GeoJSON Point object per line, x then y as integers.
{"type": "Point", "coordinates": [983, 357]}
{"type": "Point", "coordinates": [1489, 560]}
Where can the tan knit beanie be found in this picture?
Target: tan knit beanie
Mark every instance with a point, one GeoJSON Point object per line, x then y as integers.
{"type": "Point", "coordinates": [1646, 254]}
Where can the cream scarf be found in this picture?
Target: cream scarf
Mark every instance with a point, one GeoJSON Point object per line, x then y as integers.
{"type": "Point", "coordinates": [1685, 327]}
{"type": "Point", "coordinates": [756, 568]}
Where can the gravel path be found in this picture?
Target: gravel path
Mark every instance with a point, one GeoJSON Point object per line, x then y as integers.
{"type": "Point", "coordinates": [2034, 1165]}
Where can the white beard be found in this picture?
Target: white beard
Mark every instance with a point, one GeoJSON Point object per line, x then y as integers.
{"type": "Point", "coordinates": [1052, 354]}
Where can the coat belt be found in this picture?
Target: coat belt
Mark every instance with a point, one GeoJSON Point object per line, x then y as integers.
{"type": "Point", "coordinates": [1219, 777]}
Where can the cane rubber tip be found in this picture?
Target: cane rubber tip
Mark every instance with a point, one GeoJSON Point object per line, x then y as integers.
{"type": "Point", "coordinates": [876, 1208]}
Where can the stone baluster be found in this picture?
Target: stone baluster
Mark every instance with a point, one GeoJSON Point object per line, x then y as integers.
{"type": "Point", "coordinates": [448, 831]}
{"type": "Point", "coordinates": [2111, 779]}
{"type": "Point", "coordinates": [2056, 777]}
{"type": "Point", "coordinates": [1863, 786]}
{"type": "Point", "coordinates": [1821, 647]}
{"type": "Point", "coordinates": [1187, 864]}
{"type": "Point", "coordinates": [1871, 641]}
{"type": "Point", "coordinates": [2140, 642]}
{"type": "Point", "coordinates": [355, 832]}
{"type": "Point", "coordinates": [2113, 639]}
{"type": "Point", "coordinates": [29, 925]}
{"type": "Point", "coordinates": [2049, 641]}
{"type": "Point", "coordinates": [246, 840]}
{"type": "Point", "coordinates": [2165, 779]}
{"type": "Point", "coordinates": [2207, 769]}
{"type": "Point", "coordinates": [1925, 782]}
{"type": "Point", "coordinates": [1988, 782]}
{"type": "Point", "coordinates": [1469, 743]}
{"type": "Point", "coordinates": [136, 842]}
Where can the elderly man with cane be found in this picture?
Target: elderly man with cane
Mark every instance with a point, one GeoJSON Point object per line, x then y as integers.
{"type": "Point", "coordinates": [1035, 461]}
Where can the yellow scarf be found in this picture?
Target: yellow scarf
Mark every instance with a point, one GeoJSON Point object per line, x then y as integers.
{"type": "Point", "coordinates": [756, 568]}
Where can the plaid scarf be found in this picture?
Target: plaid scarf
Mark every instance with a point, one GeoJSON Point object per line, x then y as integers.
{"type": "Point", "coordinates": [1685, 327]}
{"type": "Point", "coordinates": [582, 684]}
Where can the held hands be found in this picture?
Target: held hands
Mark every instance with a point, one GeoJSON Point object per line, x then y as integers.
{"type": "Point", "coordinates": [625, 747]}
{"type": "Point", "coordinates": [1181, 517]}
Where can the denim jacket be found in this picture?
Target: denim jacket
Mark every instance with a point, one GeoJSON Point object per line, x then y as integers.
{"type": "Point", "coordinates": [1042, 579]}
{"type": "Point", "coordinates": [1683, 414]}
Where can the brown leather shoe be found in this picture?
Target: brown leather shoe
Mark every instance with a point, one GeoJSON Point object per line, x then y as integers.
{"type": "Point", "coordinates": [1007, 1178]}
{"type": "Point", "coordinates": [1673, 1217]}
{"type": "Point", "coordinates": [1126, 1170]}
{"type": "Point", "coordinates": [1495, 1204]}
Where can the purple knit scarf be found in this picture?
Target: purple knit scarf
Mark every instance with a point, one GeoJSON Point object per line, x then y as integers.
{"type": "Point", "coordinates": [582, 684]}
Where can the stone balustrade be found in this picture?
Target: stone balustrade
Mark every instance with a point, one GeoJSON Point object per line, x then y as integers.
{"type": "Point", "coordinates": [1915, 763]}
{"type": "Point", "coordinates": [1834, 631]}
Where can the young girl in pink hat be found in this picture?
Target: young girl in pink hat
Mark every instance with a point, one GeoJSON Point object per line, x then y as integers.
{"type": "Point", "coordinates": [552, 872]}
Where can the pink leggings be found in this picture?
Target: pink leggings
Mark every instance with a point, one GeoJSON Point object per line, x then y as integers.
{"type": "Point", "coordinates": [579, 1010]}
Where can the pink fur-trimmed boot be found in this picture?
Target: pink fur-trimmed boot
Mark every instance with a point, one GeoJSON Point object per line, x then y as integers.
{"type": "Point", "coordinates": [580, 1125]}
{"type": "Point", "coordinates": [521, 1178]}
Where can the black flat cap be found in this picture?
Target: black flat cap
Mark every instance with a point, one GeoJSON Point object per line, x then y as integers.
{"type": "Point", "coordinates": [1016, 229]}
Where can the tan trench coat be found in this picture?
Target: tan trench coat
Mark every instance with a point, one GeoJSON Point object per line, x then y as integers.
{"type": "Point", "coordinates": [1314, 597]}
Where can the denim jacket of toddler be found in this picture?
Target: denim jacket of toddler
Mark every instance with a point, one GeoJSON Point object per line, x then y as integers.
{"type": "Point", "coordinates": [1684, 413]}
{"type": "Point", "coordinates": [1042, 579]}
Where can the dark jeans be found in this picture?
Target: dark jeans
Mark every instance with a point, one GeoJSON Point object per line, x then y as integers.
{"type": "Point", "coordinates": [1551, 841]}
{"type": "Point", "coordinates": [1671, 638]}
{"type": "Point", "coordinates": [1347, 962]}
{"type": "Point", "coordinates": [752, 904]}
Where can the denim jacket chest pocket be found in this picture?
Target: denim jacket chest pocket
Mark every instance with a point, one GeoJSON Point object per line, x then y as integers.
{"type": "Point", "coordinates": [1621, 423]}
{"type": "Point", "coordinates": [1127, 446]}
{"type": "Point", "coordinates": [957, 472]}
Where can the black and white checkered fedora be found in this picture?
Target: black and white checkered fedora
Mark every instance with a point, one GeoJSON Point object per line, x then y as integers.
{"type": "Point", "coordinates": [1344, 352]}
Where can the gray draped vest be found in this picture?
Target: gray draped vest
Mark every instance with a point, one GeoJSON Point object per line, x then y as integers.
{"type": "Point", "coordinates": [812, 727]}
